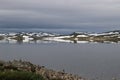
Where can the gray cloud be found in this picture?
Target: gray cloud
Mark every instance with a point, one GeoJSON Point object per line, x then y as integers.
{"type": "Point", "coordinates": [62, 13]}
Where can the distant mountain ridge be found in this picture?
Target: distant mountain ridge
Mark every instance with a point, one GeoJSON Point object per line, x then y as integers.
{"type": "Point", "coordinates": [76, 37]}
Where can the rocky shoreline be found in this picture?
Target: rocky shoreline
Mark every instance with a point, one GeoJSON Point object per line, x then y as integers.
{"type": "Point", "coordinates": [48, 74]}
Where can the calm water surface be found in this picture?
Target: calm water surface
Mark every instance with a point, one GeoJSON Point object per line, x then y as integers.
{"type": "Point", "coordinates": [99, 61]}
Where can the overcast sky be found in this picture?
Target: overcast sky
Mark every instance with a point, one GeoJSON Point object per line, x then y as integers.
{"type": "Point", "coordinates": [87, 14]}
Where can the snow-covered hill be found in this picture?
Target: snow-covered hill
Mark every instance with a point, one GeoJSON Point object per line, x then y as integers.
{"type": "Point", "coordinates": [76, 37]}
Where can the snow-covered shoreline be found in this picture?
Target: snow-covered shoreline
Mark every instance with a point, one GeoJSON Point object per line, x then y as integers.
{"type": "Point", "coordinates": [76, 37]}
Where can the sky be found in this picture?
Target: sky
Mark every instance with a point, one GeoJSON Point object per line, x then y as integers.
{"type": "Point", "coordinates": [93, 15]}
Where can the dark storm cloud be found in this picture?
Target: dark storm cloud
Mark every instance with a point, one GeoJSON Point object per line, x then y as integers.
{"type": "Point", "coordinates": [65, 13]}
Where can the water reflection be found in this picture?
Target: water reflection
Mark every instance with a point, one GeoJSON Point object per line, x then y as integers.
{"type": "Point", "coordinates": [99, 61]}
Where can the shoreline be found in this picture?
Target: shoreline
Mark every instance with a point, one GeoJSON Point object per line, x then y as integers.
{"type": "Point", "coordinates": [76, 37]}
{"type": "Point", "coordinates": [47, 74]}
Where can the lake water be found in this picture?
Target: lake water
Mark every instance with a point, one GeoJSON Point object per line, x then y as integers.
{"type": "Point", "coordinates": [92, 60]}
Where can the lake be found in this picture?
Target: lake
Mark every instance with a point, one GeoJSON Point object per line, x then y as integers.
{"type": "Point", "coordinates": [97, 61]}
